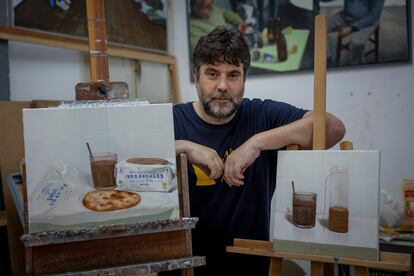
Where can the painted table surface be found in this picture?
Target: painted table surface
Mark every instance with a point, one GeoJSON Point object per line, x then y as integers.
{"type": "Point", "coordinates": [295, 37]}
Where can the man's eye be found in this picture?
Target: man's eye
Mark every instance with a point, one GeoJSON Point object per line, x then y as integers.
{"type": "Point", "coordinates": [234, 76]}
{"type": "Point", "coordinates": [211, 74]}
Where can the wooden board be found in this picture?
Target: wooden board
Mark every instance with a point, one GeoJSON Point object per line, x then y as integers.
{"type": "Point", "coordinates": [86, 255]}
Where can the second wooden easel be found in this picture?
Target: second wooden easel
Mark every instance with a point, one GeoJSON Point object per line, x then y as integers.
{"type": "Point", "coordinates": [320, 265]}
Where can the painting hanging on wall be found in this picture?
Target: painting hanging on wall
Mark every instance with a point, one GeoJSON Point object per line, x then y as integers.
{"type": "Point", "coordinates": [280, 33]}
{"type": "Point", "coordinates": [140, 23]}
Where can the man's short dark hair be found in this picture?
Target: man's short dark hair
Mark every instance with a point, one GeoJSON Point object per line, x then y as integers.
{"type": "Point", "coordinates": [221, 46]}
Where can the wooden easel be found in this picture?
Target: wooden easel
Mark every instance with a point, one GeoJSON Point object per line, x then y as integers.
{"type": "Point", "coordinates": [119, 249]}
{"type": "Point", "coordinates": [320, 265]}
{"type": "Point", "coordinates": [122, 248]}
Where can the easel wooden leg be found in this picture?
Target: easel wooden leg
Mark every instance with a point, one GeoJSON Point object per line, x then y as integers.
{"type": "Point", "coordinates": [328, 269]}
{"type": "Point", "coordinates": [275, 266]}
{"type": "Point", "coordinates": [316, 268]}
{"type": "Point", "coordinates": [361, 271]}
{"type": "Point", "coordinates": [187, 272]}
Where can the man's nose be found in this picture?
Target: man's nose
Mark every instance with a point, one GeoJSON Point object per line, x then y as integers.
{"type": "Point", "coordinates": [222, 85]}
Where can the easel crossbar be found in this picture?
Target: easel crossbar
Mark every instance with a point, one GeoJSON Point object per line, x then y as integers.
{"type": "Point", "coordinates": [110, 231]}
{"type": "Point", "coordinates": [387, 260]}
{"type": "Point", "coordinates": [151, 267]}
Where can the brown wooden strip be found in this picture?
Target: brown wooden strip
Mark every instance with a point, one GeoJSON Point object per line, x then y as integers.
{"type": "Point", "coordinates": [387, 260]}
{"type": "Point", "coordinates": [328, 269]}
{"type": "Point", "coordinates": [107, 231]}
{"type": "Point", "coordinates": [361, 271]}
{"type": "Point", "coordinates": [256, 244]}
{"type": "Point", "coordinates": [175, 86]}
{"type": "Point", "coordinates": [292, 147]}
{"type": "Point", "coordinates": [346, 145]}
{"type": "Point", "coordinates": [275, 266]}
{"type": "Point", "coordinates": [60, 41]}
{"type": "Point", "coordinates": [316, 268]}
{"type": "Point", "coordinates": [319, 96]}
{"type": "Point", "coordinates": [103, 253]}
{"type": "Point", "coordinates": [3, 218]}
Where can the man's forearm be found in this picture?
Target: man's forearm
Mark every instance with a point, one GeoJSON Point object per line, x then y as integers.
{"type": "Point", "coordinates": [181, 146]}
{"type": "Point", "coordinates": [300, 133]}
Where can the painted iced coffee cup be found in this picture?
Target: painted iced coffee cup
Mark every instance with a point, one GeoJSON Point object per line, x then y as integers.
{"type": "Point", "coordinates": [103, 170]}
{"type": "Point", "coordinates": [304, 209]}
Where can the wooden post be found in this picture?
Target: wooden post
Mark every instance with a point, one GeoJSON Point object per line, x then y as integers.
{"type": "Point", "coordinates": [361, 271]}
{"type": "Point", "coordinates": [175, 87]}
{"type": "Point", "coordinates": [316, 268]}
{"type": "Point", "coordinates": [319, 98]}
{"type": "Point", "coordinates": [319, 102]}
{"type": "Point", "coordinates": [97, 41]}
{"type": "Point", "coordinates": [275, 266]}
{"type": "Point", "coordinates": [346, 145]}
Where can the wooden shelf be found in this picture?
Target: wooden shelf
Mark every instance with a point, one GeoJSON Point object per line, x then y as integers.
{"type": "Point", "coordinates": [79, 44]}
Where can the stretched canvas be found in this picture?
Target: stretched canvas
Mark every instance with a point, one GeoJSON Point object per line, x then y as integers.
{"type": "Point", "coordinates": [350, 177]}
{"type": "Point", "coordinates": [59, 172]}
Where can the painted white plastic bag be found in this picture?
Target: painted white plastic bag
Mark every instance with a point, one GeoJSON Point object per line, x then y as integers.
{"type": "Point", "coordinates": [56, 186]}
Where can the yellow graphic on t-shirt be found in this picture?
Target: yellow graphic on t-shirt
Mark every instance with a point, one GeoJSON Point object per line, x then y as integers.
{"type": "Point", "coordinates": [202, 178]}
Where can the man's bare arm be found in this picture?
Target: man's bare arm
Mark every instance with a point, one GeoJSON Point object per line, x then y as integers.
{"type": "Point", "coordinates": [298, 132]}
{"type": "Point", "coordinates": [203, 157]}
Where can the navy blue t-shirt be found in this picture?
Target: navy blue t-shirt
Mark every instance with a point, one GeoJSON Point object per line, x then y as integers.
{"type": "Point", "coordinates": [227, 212]}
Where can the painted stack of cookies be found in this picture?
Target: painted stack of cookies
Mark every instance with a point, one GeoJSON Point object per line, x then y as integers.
{"type": "Point", "coordinates": [338, 219]}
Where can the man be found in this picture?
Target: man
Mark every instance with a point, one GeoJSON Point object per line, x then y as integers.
{"type": "Point", "coordinates": [231, 144]}
{"type": "Point", "coordinates": [358, 19]}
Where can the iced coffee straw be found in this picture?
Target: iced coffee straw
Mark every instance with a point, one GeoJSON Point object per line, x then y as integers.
{"type": "Point", "coordinates": [89, 149]}
{"type": "Point", "coordinates": [293, 187]}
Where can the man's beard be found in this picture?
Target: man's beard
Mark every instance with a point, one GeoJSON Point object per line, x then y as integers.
{"type": "Point", "coordinates": [221, 111]}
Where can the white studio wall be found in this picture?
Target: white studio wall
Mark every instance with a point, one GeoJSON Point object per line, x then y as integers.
{"type": "Point", "coordinates": [41, 72]}
{"type": "Point", "coordinates": [375, 103]}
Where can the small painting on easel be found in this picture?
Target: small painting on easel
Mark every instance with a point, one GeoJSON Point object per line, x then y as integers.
{"type": "Point", "coordinates": [99, 164]}
{"type": "Point", "coordinates": [326, 203]}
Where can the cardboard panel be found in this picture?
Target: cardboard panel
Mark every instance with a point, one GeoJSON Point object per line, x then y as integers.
{"type": "Point", "coordinates": [350, 177]}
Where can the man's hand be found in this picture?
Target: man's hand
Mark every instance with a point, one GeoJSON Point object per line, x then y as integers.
{"type": "Point", "coordinates": [345, 31]}
{"type": "Point", "coordinates": [239, 160]}
{"type": "Point", "coordinates": [203, 157]}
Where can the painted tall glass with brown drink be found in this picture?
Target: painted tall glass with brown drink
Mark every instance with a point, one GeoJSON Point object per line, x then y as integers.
{"type": "Point", "coordinates": [304, 209]}
{"type": "Point", "coordinates": [103, 170]}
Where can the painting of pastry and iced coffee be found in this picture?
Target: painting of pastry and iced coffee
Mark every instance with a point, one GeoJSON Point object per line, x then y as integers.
{"type": "Point", "coordinates": [326, 203]}
{"type": "Point", "coordinates": [100, 165]}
